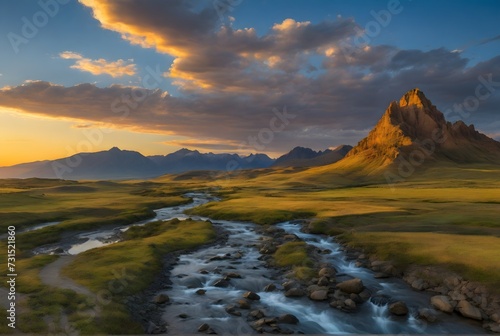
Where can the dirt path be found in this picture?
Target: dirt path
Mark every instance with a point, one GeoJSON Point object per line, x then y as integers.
{"type": "Point", "coordinates": [51, 275]}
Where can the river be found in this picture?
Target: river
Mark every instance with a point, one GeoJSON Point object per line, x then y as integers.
{"type": "Point", "coordinates": [200, 270]}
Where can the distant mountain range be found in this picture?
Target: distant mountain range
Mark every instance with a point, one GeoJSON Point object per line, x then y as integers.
{"type": "Point", "coordinates": [411, 131]}
{"type": "Point", "coordinates": [122, 164]}
{"type": "Point", "coordinates": [306, 157]}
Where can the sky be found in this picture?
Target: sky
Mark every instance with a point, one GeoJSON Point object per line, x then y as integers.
{"type": "Point", "coordinates": [238, 76]}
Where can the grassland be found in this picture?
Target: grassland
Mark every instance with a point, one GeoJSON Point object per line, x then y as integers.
{"type": "Point", "coordinates": [446, 216]}
{"type": "Point", "coordinates": [82, 206]}
{"type": "Point", "coordinates": [294, 255]}
{"type": "Point", "coordinates": [442, 215]}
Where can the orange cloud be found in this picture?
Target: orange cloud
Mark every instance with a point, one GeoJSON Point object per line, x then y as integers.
{"type": "Point", "coordinates": [100, 66]}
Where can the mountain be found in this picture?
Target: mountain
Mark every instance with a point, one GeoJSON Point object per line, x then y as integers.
{"type": "Point", "coordinates": [306, 157]}
{"type": "Point", "coordinates": [122, 164]}
{"type": "Point", "coordinates": [186, 160]}
{"type": "Point", "coordinates": [112, 164]}
{"type": "Point", "coordinates": [415, 131]}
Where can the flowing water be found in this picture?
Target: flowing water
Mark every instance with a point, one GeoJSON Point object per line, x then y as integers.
{"type": "Point", "coordinates": [202, 268]}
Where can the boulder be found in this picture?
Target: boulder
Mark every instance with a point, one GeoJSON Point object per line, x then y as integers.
{"type": "Point", "coordinates": [328, 272]}
{"type": "Point", "coordinates": [295, 292]}
{"type": "Point", "coordinates": [288, 319]}
{"type": "Point", "coordinates": [442, 303]}
{"type": "Point", "coordinates": [243, 304]}
{"type": "Point", "coordinates": [251, 296]}
{"type": "Point", "coordinates": [319, 295]}
{"type": "Point", "coordinates": [203, 327]}
{"type": "Point", "coordinates": [161, 298]}
{"type": "Point", "coordinates": [350, 304]}
{"type": "Point", "coordinates": [232, 310]}
{"type": "Point", "coordinates": [201, 291]}
{"type": "Point", "coordinates": [351, 286]}
{"type": "Point", "coordinates": [221, 283]}
{"type": "Point", "coordinates": [257, 314]}
{"type": "Point", "coordinates": [269, 288]}
{"type": "Point", "coordinates": [233, 275]}
{"type": "Point", "coordinates": [427, 314]}
{"type": "Point", "coordinates": [289, 285]}
{"type": "Point", "coordinates": [323, 281]}
{"type": "Point", "coordinates": [398, 308]}
{"type": "Point", "coordinates": [468, 310]}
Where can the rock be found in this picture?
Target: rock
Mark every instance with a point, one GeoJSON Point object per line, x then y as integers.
{"type": "Point", "coordinates": [442, 303]}
{"type": "Point", "coordinates": [427, 314]}
{"type": "Point", "coordinates": [398, 308]}
{"type": "Point", "coordinates": [210, 331]}
{"type": "Point", "coordinates": [381, 275]}
{"type": "Point", "coordinates": [356, 298]}
{"type": "Point", "coordinates": [365, 294]}
{"type": "Point", "coordinates": [290, 237]}
{"type": "Point", "coordinates": [201, 291]}
{"type": "Point", "coordinates": [494, 327]}
{"type": "Point", "coordinates": [456, 296]}
{"type": "Point", "coordinates": [295, 292]}
{"type": "Point", "coordinates": [495, 317]}
{"type": "Point", "coordinates": [232, 310]}
{"type": "Point", "coordinates": [161, 298]}
{"type": "Point", "coordinates": [351, 286]}
{"type": "Point", "coordinates": [288, 319]}
{"type": "Point", "coordinates": [203, 327]}
{"type": "Point", "coordinates": [323, 281]}
{"type": "Point", "coordinates": [221, 283]}
{"type": "Point", "coordinates": [244, 304]}
{"type": "Point", "coordinates": [183, 316]}
{"type": "Point", "coordinates": [233, 275]}
{"type": "Point", "coordinates": [319, 295]}
{"type": "Point", "coordinates": [238, 255]}
{"type": "Point", "coordinates": [418, 284]}
{"type": "Point", "coordinates": [152, 328]}
{"type": "Point", "coordinates": [468, 310]}
{"type": "Point", "coordinates": [328, 272]}
{"type": "Point", "coordinates": [268, 249]}
{"type": "Point", "coordinates": [251, 296]}
{"type": "Point", "coordinates": [257, 314]}
{"type": "Point", "coordinates": [270, 288]}
{"type": "Point", "coordinates": [349, 303]}
{"type": "Point", "coordinates": [289, 285]}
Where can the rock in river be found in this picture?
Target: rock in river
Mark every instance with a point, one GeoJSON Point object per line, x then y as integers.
{"type": "Point", "coordinates": [288, 319]}
{"type": "Point", "coordinates": [441, 302]}
{"type": "Point", "coordinates": [251, 296]}
{"type": "Point", "coordinates": [398, 308]}
{"type": "Point", "coordinates": [319, 295]}
{"type": "Point", "coordinates": [351, 286]}
{"type": "Point", "coordinates": [161, 298]}
{"type": "Point", "coordinates": [468, 310]}
{"type": "Point", "coordinates": [295, 292]}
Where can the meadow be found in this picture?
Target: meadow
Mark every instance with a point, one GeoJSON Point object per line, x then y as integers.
{"type": "Point", "coordinates": [445, 216]}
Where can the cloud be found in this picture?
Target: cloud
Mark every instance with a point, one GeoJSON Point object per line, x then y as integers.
{"type": "Point", "coordinates": [82, 126]}
{"type": "Point", "coordinates": [230, 80]}
{"type": "Point", "coordinates": [100, 66]}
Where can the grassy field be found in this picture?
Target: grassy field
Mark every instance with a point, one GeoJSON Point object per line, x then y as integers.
{"type": "Point", "coordinates": [82, 206]}
{"type": "Point", "coordinates": [442, 215]}
{"type": "Point", "coordinates": [446, 216]}
{"type": "Point", "coordinates": [126, 268]}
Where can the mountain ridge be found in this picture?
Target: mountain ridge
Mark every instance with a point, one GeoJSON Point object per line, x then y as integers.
{"type": "Point", "coordinates": [414, 128]}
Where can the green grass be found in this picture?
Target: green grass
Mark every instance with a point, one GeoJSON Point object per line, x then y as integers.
{"type": "Point", "coordinates": [475, 257]}
{"type": "Point", "coordinates": [294, 255]}
{"type": "Point", "coordinates": [128, 267]}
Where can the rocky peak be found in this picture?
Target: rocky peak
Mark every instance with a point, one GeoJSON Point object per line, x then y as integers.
{"type": "Point", "coordinates": [415, 98]}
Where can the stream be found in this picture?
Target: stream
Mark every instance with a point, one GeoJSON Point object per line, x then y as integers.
{"type": "Point", "coordinates": [197, 298]}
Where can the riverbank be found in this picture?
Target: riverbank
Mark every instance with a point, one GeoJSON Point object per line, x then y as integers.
{"type": "Point", "coordinates": [451, 292]}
